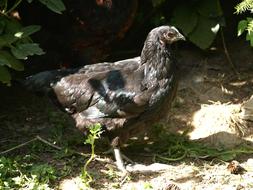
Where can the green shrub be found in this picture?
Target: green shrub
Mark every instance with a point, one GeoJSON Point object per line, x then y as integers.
{"type": "Point", "coordinates": [245, 25]}
{"type": "Point", "coordinates": [15, 41]}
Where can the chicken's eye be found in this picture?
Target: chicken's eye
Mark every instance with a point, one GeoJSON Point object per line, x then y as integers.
{"type": "Point", "coordinates": [170, 34]}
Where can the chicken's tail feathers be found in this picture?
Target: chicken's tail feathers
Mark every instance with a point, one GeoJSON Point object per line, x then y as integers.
{"type": "Point", "coordinates": [40, 82]}
{"type": "Point", "coordinates": [44, 81]}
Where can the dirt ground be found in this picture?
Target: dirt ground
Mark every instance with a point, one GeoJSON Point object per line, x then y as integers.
{"type": "Point", "coordinates": [206, 79]}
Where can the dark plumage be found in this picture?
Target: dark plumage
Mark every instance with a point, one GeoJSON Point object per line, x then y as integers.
{"type": "Point", "coordinates": [125, 96]}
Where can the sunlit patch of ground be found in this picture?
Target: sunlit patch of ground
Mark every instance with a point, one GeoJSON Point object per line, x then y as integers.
{"type": "Point", "coordinates": [205, 176]}
{"type": "Point", "coordinates": [213, 118]}
{"type": "Point", "coordinates": [219, 124]}
{"type": "Point", "coordinates": [196, 175]}
{"type": "Point", "coordinates": [73, 184]}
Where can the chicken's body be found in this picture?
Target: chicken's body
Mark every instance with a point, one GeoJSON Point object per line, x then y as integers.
{"type": "Point", "coordinates": [125, 96]}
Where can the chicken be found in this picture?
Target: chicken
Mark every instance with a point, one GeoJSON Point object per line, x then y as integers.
{"type": "Point", "coordinates": [125, 97]}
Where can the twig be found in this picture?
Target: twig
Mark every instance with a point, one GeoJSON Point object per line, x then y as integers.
{"type": "Point", "coordinates": [18, 146]}
{"type": "Point", "coordinates": [60, 148]}
{"type": "Point", "coordinates": [227, 54]}
{"type": "Point", "coordinates": [45, 142]}
{"type": "Point", "coordinates": [48, 143]}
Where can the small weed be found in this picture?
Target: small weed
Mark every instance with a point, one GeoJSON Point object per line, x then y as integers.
{"type": "Point", "coordinates": [95, 132]}
{"type": "Point", "coordinates": [148, 186]}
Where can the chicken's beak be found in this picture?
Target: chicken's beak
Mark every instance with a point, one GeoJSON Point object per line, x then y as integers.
{"type": "Point", "coordinates": [180, 37]}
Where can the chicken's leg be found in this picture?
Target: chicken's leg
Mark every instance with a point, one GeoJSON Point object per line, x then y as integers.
{"type": "Point", "coordinates": [137, 168]}
{"type": "Point", "coordinates": [119, 160]}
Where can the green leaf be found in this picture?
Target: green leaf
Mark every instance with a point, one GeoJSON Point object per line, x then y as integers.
{"type": "Point", "coordinates": [27, 31]}
{"type": "Point", "coordinates": [249, 37]}
{"type": "Point", "coordinates": [29, 1]}
{"type": "Point", "coordinates": [227, 157]}
{"type": "Point", "coordinates": [22, 51]}
{"type": "Point", "coordinates": [180, 14]}
{"type": "Point", "coordinates": [7, 39]}
{"type": "Point", "coordinates": [7, 59]}
{"type": "Point", "coordinates": [54, 5]}
{"type": "Point", "coordinates": [250, 26]}
{"type": "Point", "coordinates": [210, 8]}
{"type": "Point", "coordinates": [2, 26]}
{"type": "Point", "coordinates": [19, 54]}
{"type": "Point", "coordinates": [12, 26]}
{"type": "Point", "coordinates": [5, 76]}
{"type": "Point", "coordinates": [204, 33]}
{"type": "Point", "coordinates": [242, 25]}
{"type": "Point", "coordinates": [251, 42]}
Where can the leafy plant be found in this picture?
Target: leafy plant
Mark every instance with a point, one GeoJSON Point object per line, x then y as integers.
{"type": "Point", "coordinates": [95, 132]}
{"type": "Point", "coordinates": [200, 21]}
{"type": "Point", "coordinates": [56, 6]}
{"type": "Point", "coordinates": [245, 5]}
{"type": "Point", "coordinates": [15, 41]}
{"type": "Point", "coordinates": [16, 173]}
{"type": "Point", "coordinates": [245, 25]}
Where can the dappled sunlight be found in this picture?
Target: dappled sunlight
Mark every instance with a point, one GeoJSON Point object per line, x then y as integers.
{"type": "Point", "coordinates": [219, 124]}
{"type": "Point", "coordinates": [74, 183]}
{"type": "Point", "coordinates": [213, 118]}
{"type": "Point", "coordinates": [239, 83]}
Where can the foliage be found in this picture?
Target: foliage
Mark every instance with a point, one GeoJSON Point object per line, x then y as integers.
{"type": "Point", "coordinates": [177, 147]}
{"type": "Point", "coordinates": [203, 21]}
{"type": "Point", "coordinates": [199, 20]}
{"type": "Point", "coordinates": [17, 173]}
{"type": "Point", "coordinates": [245, 5]}
{"type": "Point", "coordinates": [245, 25]}
{"type": "Point", "coordinates": [56, 6]}
{"type": "Point", "coordinates": [15, 41]}
{"type": "Point", "coordinates": [95, 132]}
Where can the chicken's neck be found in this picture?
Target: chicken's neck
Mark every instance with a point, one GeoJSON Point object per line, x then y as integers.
{"type": "Point", "coordinates": [157, 63]}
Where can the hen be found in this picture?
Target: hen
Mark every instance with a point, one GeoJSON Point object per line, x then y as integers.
{"type": "Point", "coordinates": [124, 97]}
